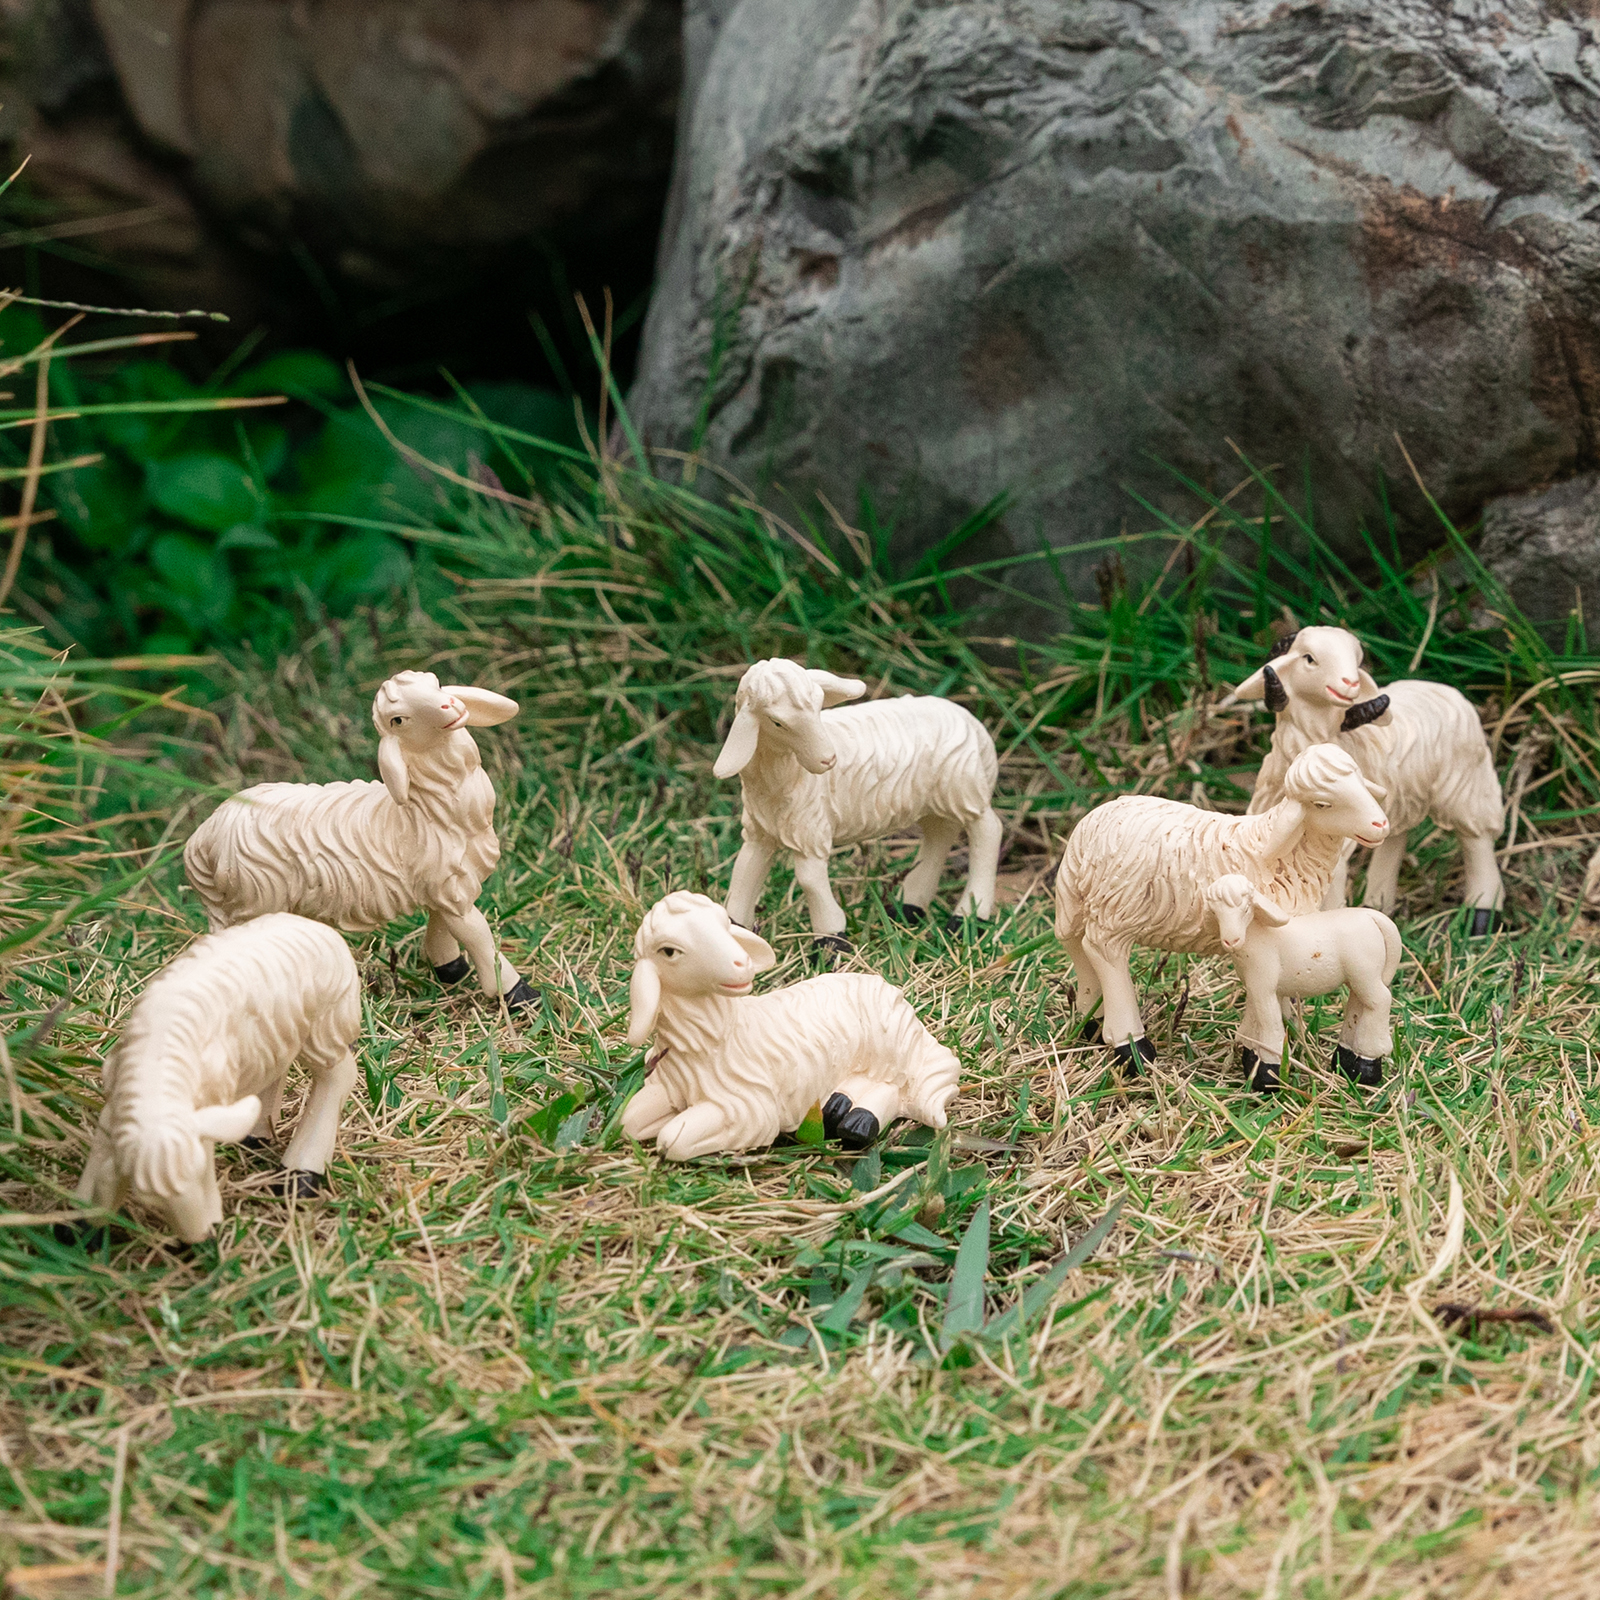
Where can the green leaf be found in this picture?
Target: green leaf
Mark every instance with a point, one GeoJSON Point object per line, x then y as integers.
{"type": "Point", "coordinates": [245, 536]}
{"type": "Point", "coordinates": [204, 489]}
{"type": "Point", "coordinates": [546, 1123]}
{"type": "Point", "coordinates": [572, 1130]}
{"type": "Point", "coordinates": [198, 580]}
{"type": "Point", "coordinates": [867, 1173]}
{"type": "Point", "coordinates": [296, 372]}
{"type": "Point", "coordinates": [810, 1130]}
{"type": "Point", "coordinates": [964, 1309]}
{"type": "Point", "coordinates": [845, 1307]}
{"type": "Point", "coordinates": [1039, 1295]}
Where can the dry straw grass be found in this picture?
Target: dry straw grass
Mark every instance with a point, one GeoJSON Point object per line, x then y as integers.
{"type": "Point", "coordinates": [513, 1355]}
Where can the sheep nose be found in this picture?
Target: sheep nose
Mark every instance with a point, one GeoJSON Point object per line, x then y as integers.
{"type": "Point", "coordinates": [828, 763]}
{"type": "Point", "coordinates": [1354, 683]}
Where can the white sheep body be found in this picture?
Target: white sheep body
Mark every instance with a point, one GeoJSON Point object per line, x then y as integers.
{"type": "Point", "coordinates": [1136, 869]}
{"type": "Point", "coordinates": [358, 854]}
{"type": "Point", "coordinates": [204, 1054]}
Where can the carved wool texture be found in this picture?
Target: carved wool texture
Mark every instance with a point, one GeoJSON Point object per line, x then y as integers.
{"type": "Point", "coordinates": [225, 1020]}
{"type": "Point", "coordinates": [768, 1058]}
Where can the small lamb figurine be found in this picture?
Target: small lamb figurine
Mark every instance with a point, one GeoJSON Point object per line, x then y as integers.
{"type": "Point", "coordinates": [202, 1060]}
{"type": "Point", "coordinates": [733, 1073]}
{"type": "Point", "coordinates": [1279, 957]}
{"type": "Point", "coordinates": [360, 854]}
{"type": "Point", "coordinates": [1135, 871]}
{"type": "Point", "coordinates": [815, 777]}
{"type": "Point", "coordinates": [1421, 742]}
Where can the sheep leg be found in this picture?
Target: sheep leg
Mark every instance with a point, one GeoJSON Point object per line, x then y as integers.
{"type": "Point", "coordinates": [496, 975]}
{"type": "Point", "coordinates": [648, 1112]}
{"type": "Point", "coordinates": [211, 1194]}
{"type": "Point", "coordinates": [1365, 1029]}
{"type": "Point", "coordinates": [1383, 874]}
{"type": "Point", "coordinates": [1339, 885]}
{"type": "Point", "coordinates": [1123, 1026]}
{"type": "Point", "coordinates": [922, 881]}
{"type": "Point", "coordinates": [312, 1146]}
{"type": "Point", "coordinates": [260, 1136]}
{"type": "Point", "coordinates": [704, 1129]}
{"type": "Point", "coordinates": [98, 1186]}
{"type": "Point", "coordinates": [750, 871]}
{"type": "Point", "coordinates": [1087, 981]}
{"type": "Point", "coordinates": [983, 862]}
{"type": "Point", "coordinates": [1484, 893]}
{"type": "Point", "coordinates": [859, 1110]}
{"type": "Point", "coordinates": [827, 915]}
{"type": "Point", "coordinates": [1260, 1038]}
{"type": "Point", "coordinates": [442, 951]}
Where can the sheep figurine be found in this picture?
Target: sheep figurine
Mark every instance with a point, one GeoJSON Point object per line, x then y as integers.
{"type": "Point", "coordinates": [816, 775]}
{"type": "Point", "coordinates": [1135, 871]}
{"type": "Point", "coordinates": [1422, 742]}
{"type": "Point", "coordinates": [360, 854]}
{"type": "Point", "coordinates": [202, 1060]}
{"type": "Point", "coordinates": [1280, 957]}
{"type": "Point", "coordinates": [732, 1071]}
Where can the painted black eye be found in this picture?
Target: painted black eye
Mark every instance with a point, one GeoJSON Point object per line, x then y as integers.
{"type": "Point", "coordinates": [775, 723]}
{"type": "Point", "coordinates": [394, 722]}
{"type": "Point", "coordinates": [669, 952]}
{"type": "Point", "coordinates": [1311, 661]}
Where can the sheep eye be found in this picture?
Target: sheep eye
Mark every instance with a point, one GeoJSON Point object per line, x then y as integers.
{"type": "Point", "coordinates": [394, 722]}
{"type": "Point", "coordinates": [775, 723]}
{"type": "Point", "coordinates": [668, 951]}
{"type": "Point", "coordinates": [1321, 805]}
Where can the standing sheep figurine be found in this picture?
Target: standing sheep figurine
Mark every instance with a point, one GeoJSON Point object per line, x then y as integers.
{"type": "Point", "coordinates": [1136, 869]}
{"type": "Point", "coordinates": [360, 854]}
{"type": "Point", "coordinates": [1422, 742]}
{"type": "Point", "coordinates": [202, 1061]}
{"type": "Point", "coordinates": [816, 775]}
{"type": "Point", "coordinates": [734, 1070]}
{"type": "Point", "coordinates": [1279, 957]}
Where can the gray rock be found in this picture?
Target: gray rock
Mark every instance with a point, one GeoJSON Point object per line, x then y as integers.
{"type": "Point", "coordinates": [941, 249]}
{"type": "Point", "coordinates": [1545, 548]}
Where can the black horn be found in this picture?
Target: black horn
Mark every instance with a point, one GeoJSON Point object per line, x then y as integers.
{"type": "Point", "coordinates": [1359, 716]}
{"type": "Point", "coordinates": [1277, 697]}
{"type": "Point", "coordinates": [1283, 646]}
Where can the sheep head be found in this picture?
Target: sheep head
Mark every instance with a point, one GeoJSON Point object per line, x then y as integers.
{"type": "Point", "coordinates": [1236, 902]}
{"type": "Point", "coordinates": [780, 703]}
{"type": "Point", "coordinates": [1327, 784]}
{"type": "Point", "coordinates": [168, 1159]}
{"type": "Point", "coordinates": [414, 713]}
{"type": "Point", "coordinates": [687, 945]}
{"type": "Point", "coordinates": [1320, 671]}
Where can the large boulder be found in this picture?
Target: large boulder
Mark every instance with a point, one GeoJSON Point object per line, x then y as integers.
{"type": "Point", "coordinates": [941, 249]}
{"type": "Point", "coordinates": [1545, 549]}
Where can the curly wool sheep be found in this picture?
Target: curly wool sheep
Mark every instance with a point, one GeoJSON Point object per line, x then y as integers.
{"type": "Point", "coordinates": [1279, 957]}
{"type": "Point", "coordinates": [816, 775]}
{"type": "Point", "coordinates": [360, 854]}
{"type": "Point", "coordinates": [733, 1073]}
{"type": "Point", "coordinates": [1135, 871]}
{"type": "Point", "coordinates": [202, 1060]}
{"type": "Point", "coordinates": [1421, 741]}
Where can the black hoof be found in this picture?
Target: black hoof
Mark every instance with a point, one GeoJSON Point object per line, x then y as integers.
{"type": "Point", "coordinates": [297, 1184]}
{"type": "Point", "coordinates": [835, 942]}
{"type": "Point", "coordinates": [905, 912]}
{"type": "Point", "coordinates": [857, 1129]}
{"type": "Point", "coordinates": [1090, 1031]}
{"type": "Point", "coordinates": [1135, 1053]}
{"type": "Point", "coordinates": [1484, 921]}
{"type": "Point", "coordinates": [959, 924]}
{"type": "Point", "coordinates": [253, 1141]}
{"type": "Point", "coordinates": [1364, 1070]}
{"type": "Point", "coordinates": [832, 1113]}
{"type": "Point", "coordinates": [1263, 1075]}
{"type": "Point", "coordinates": [521, 995]}
{"type": "Point", "coordinates": [453, 971]}
{"type": "Point", "coordinates": [81, 1235]}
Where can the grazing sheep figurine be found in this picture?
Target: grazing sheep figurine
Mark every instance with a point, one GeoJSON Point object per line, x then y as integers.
{"type": "Point", "coordinates": [815, 777]}
{"type": "Point", "coordinates": [1135, 871]}
{"type": "Point", "coordinates": [1280, 957]}
{"type": "Point", "coordinates": [1421, 741]}
{"type": "Point", "coordinates": [733, 1073]}
{"type": "Point", "coordinates": [202, 1061]}
{"type": "Point", "coordinates": [360, 854]}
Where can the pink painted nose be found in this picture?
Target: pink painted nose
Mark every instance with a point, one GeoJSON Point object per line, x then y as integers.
{"type": "Point", "coordinates": [829, 762]}
{"type": "Point", "coordinates": [1381, 826]}
{"type": "Point", "coordinates": [1351, 683]}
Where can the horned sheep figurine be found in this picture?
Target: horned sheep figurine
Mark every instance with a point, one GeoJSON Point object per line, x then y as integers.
{"type": "Point", "coordinates": [1135, 871]}
{"type": "Point", "coordinates": [202, 1060]}
{"type": "Point", "coordinates": [817, 774]}
{"type": "Point", "coordinates": [1422, 742]}
{"type": "Point", "coordinates": [733, 1070]}
{"type": "Point", "coordinates": [360, 854]}
{"type": "Point", "coordinates": [1279, 957]}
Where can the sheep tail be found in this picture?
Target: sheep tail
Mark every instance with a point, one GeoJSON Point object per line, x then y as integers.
{"type": "Point", "coordinates": [200, 866]}
{"type": "Point", "coordinates": [934, 1084]}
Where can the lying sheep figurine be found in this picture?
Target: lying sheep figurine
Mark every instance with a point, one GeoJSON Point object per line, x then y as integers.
{"type": "Point", "coordinates": [815, 776]}
{"type": "Point", "coordinates": [733, 1070]}
{"type": "Point", "coordinates": [1279, 957]}
{"type": "Point", "coordinates": [1422, 742]}
{"type": "Point", "coordinates": [360, 854]}
{"type": "Point", "coordinates": [1136, 869]}
{"type": "Point", "coordinates": [202, 1061]}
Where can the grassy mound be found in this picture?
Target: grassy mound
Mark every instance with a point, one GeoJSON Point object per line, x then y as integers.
{"type": "Point", "coordinates": [1111, 1335]}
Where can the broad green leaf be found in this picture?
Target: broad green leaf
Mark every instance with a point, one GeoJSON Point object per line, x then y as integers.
{"type": "Point", "coordinates": [867, 1173]}
{"type": "Point", "coordinates": [200, 586]}
{"type": "Point", "coordinates": [810, 1130]}
{"type": "Point", "coordinates": [844, 1308]}
{"type": "Point", "coordinates": [572, 1130]}
{"type": "Point", "coordinates": [245, 536]}
{"type": "Point", "coordinates": [204, 489]}
{"type": "Point", "coordinates": [964, 1309]}
{"type": "Point", "coordinates": [294, 372]}
{"type": "Point", "coordinates": [1038, 1295]}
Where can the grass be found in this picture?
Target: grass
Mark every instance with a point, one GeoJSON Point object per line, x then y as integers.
{"type": "Point", "coordinates": [514, 1355]}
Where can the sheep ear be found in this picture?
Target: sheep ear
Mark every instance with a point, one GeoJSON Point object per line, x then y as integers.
{"type": "Point", "coordinates": [835, 691]}
{"type": "Point", "coordinates": [755, 947]}
{"type": "Point", "coordinates": [485, 708]}
{"type": "Point", "coordinates": [228, 1124]}
{"type": "Point", "coordinates": [1373, 713]}
{"type": "Point", "coordinates": [1253, 688]}
{"type": "Point", "coordinates": [392, 769]}
{"type": "Point", "coordinates": [644, 1000]}
{"type": "Point", "coordinates": [1269, 912]}
{"type": "Point", "coordinates": [739, 746]}
{"type": "Point", "coordinates": [1376, 790]}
